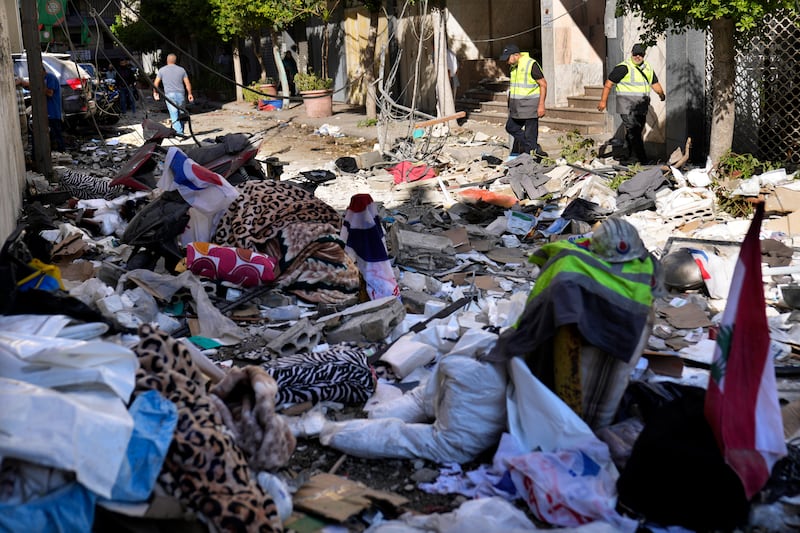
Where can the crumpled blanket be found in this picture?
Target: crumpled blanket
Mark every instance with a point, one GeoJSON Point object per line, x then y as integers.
{"type": "Point", "coordinates": [204, 469]}
{"type": "Point", "coordinates": [246, 400]}
{"type": "Point", "coordinates": [301, 231]}
{"type": "Point", "coordinates": [338, 374]}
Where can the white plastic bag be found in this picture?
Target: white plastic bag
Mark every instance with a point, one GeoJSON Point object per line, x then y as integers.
{"type": "Point", "coordinates": [539, 419]}
{"type": "Point", "coordinates": [468, 400]}
{"type": "Point", "coordinates": [568, 488]}
{"type": "Point", "coordinates": [61, 362]}
{"type": "Point", "coordinates": [82, 432]}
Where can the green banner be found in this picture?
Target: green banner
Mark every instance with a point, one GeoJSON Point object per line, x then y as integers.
{"type": "Point", "coordinates": [52, 12]}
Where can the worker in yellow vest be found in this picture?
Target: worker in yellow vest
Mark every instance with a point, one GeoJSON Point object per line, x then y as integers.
{"type": "Point", "coordinates": [632, 80]}
{"type": "Point", "coordinates": [526, 95]}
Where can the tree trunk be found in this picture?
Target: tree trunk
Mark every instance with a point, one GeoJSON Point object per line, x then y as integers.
{"type": "Point", "coordinates": [276, 53]}
{"type": "Point", "coordinates": [722, 89]}
{"type": "Point", "coordinates": [445, 104]}
{"type": "Point", "coordinates": [369, 66]}
{"type": "Point", "coordinates": [258, 51]}
{"type": "Point", "coordinates": [237, 70]}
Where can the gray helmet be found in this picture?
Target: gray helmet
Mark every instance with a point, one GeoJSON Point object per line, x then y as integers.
{"type": "Point", "coordinates": [681, 272]}
{"type": "Point", "coordinates": [617, 241]}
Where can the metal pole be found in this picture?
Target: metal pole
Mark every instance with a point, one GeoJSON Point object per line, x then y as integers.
{"type": "Point", "coordinates": [41, 130]}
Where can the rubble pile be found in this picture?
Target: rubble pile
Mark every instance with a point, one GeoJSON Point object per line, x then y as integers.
{"type": "Point", "coordinates": [435, 311]}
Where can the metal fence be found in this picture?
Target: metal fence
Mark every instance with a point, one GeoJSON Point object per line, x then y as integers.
{"type": "Point", "coordinates": [767, 90]}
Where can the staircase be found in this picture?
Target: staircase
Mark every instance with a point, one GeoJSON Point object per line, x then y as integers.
{"type": "Point", "coordinates": [489, 102]}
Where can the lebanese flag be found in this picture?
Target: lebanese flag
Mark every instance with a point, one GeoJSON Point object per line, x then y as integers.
{"type": "Point", "coordinates": [203, 189]}
{"type": "Point", "coordinates": [741, 403]}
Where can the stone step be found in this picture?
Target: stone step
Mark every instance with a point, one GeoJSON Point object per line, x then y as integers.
{"type": "Point", "coordinates": [583, 102]}
{"type": "Point", "coordinates": [584, 127]}
{"type": "Point", "coordinates": [576, 113]}
{"type": "Point", "coordinates": [484, 96]}
{"type": "Point", "coordinates": [566, 113]}
{"type": "Point", "coordinates": [593, 90]}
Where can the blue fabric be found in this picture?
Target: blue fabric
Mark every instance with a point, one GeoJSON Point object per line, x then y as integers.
{"type": "Point", "coordinates": [54, 101]}
{"type": "Point", "coordinates": [69, 508]}
{"type": "Point", "coordinates": [154, 421]}
{"type": "Point", "coordinates": [367, 243]}
{"type": "Point", "coordinates": [178, 98]}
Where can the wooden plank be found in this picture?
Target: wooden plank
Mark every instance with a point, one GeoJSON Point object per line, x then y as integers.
{"type": "Point", "coordinates": [439, 120]}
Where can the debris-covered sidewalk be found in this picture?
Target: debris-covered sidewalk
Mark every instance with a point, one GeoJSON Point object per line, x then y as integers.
{"type": "Point", "coordinates": [226, 332]}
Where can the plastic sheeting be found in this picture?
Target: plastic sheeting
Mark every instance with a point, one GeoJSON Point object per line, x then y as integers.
{"type": "Point", "coordinates": [83, 432]}
{"type": "Point", "coordinates": [61, 362]}
{"type": "Point", "coordinates": [465, 398]}
{"type": "Point", "coordinates": [474, 516]}
{"type": "Point", "coordinates": [70, 508]}
{"type": "Point", "coordinates": [154, 419]}
{"type": "Point", "coordinates": [211, 322]}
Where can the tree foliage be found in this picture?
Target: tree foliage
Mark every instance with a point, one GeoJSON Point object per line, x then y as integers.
{"type": "Point", "coordinates": [660, 16]}
{"type": "Point", "coordinates": [171, 18]}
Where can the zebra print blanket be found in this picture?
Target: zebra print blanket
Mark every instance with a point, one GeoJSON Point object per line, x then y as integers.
{"type": "Point", "coordinates": [85, 187]}
{"type": "Point", "coordinates": [338, 375]}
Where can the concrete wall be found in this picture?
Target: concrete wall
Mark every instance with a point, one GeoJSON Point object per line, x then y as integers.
{"type": "Point", "coordinates": [481, 28]}
{"type": "Point", "coordinates": [14, 27]}
{"type": "Point", "coordinates": [573, 43]}
{"type": "Point", "coordinates": [685, 88]}
{"type": "Point", "coordinates": [12, 164]}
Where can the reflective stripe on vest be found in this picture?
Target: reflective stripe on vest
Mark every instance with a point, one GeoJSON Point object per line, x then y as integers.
{"type": "Point", "coordinates": [629, 284]}
{"type": "Point", "coordinates": [637, 80]}
{"type": "Point", "coordinates": [522, 83]}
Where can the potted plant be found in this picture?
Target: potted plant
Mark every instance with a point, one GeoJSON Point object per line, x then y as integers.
{"type": "Point", "coordinates": [317, 94]}
{"type": "Point", "coordinates": [268, 86]}
{"type": "Point", "coordinates": [258, 90]}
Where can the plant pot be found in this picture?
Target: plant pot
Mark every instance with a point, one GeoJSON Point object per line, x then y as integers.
{"type": "Point", "coordinates": [269, 88]}
{"type": "Point", "coordinates": [318, 103]}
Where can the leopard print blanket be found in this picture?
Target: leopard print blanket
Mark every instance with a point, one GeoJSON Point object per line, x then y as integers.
{"type": "Point", "coordinates": [204, 469]}
{"type": "Point", "coordinates": [299, 230]}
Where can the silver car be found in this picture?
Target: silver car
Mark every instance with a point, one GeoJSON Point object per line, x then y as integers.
{"type": "Point", "coordinates": [77, 103]}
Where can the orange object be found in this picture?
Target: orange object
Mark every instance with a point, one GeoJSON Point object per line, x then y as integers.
{"type": "Point", "coordinates": [476, 195]}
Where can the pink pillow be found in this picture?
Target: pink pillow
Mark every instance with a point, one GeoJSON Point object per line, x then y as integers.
{"type": "Point", "coordinates": [236, 265]}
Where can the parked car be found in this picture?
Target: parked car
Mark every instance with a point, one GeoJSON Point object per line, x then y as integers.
{"type": "Point", "coordinates": [77, 101]}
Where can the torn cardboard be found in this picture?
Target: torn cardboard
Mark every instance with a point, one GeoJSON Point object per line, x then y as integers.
{"type": "Point", "coordinates": [339, 499]}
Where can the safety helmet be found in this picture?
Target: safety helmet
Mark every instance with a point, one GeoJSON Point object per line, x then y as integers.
{"type": "Point", "coordinates": [617, 241]}
{"type": "Point", "coordinates": [681, 271]}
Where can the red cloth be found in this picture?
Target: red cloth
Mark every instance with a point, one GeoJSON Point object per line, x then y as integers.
{"type": "Point", "coordinates": [406, 171]}
{"type": "Point", "coordinates": [741, 403]}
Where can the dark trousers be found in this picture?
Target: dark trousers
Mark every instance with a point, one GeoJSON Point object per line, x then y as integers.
{"type": "Point", "coordinates": [126, 100]}
{"type": "Point", "coordinates": [634, 131]}
{"type": "Point", "coordinates": [525, 132]}
{"type": "Point", "coordinates": [56, 138]}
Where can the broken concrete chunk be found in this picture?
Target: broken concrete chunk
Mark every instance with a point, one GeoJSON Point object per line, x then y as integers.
{"type": "Point", "coordinates": [374, 326]}
{"type": "Point", "coordinates": [369, 159]}
{"type": "Point", "coordinates": [423, 251]}
{"type": "Point", "coordinates": [420, 282]}
{"type": "Point", "coordinates": [303, 336]}
{"type": "Point", "coordinates": [416, 301]}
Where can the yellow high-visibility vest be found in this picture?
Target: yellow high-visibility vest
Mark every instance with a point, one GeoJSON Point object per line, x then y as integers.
{"type": "Point", "coordinates": [523, 93]}
{"type": "Point", "coordinates": [634, 89]}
